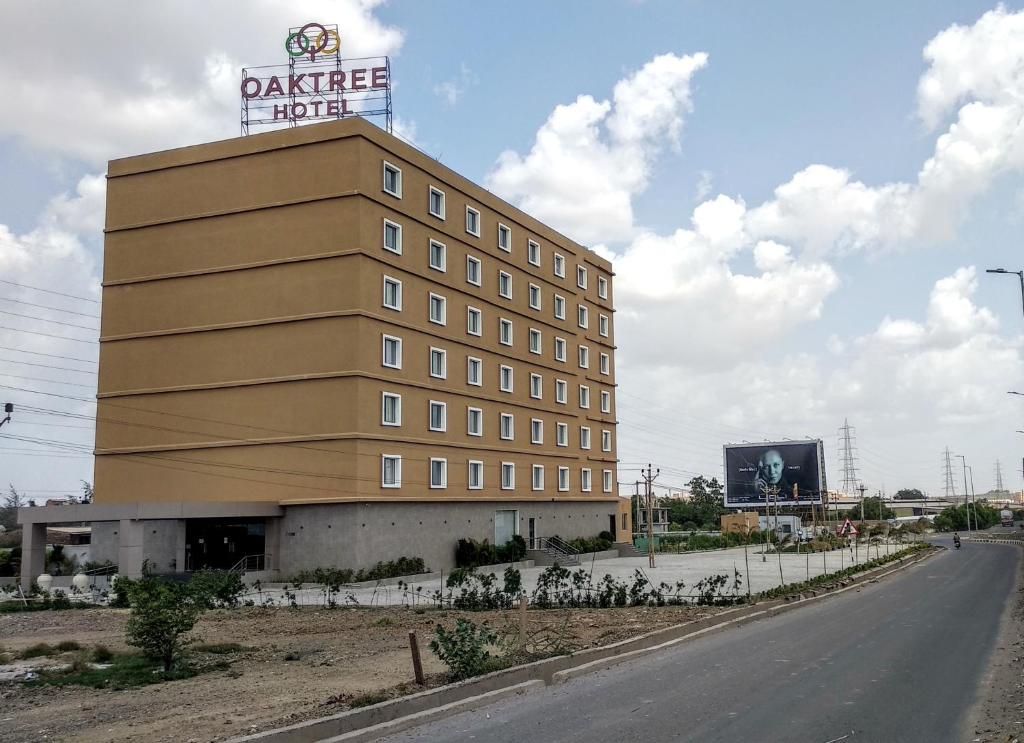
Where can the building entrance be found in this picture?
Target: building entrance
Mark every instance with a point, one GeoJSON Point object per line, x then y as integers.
{"type": "Point", "coordinates": [220, 544]}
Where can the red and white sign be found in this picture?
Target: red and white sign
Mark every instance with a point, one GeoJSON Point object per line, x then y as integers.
{"type": "Point", "coordinates": [847, 529]}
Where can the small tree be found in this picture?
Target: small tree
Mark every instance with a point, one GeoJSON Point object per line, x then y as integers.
{"type": "Point", "coordinates": [9, 512]}
{"type": "Point", "coordinates": [163, 613]}
{"type": "Point", "coordinates": [464, 649]}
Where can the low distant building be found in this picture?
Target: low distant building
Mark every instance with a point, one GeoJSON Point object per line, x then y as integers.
{"type": "Point", "coordinates": [744, 522]}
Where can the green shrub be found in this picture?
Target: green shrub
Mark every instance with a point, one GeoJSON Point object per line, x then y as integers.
{"type": "Point", "coordinates": [119, 592]}
{"type": "Point", "coordinates": [102, 654]}
{"type": "Point", "coordinates": [214, 588]}
{"type": "Point", "coordinates": [67, 646]}
{"type": "Point", "coordinates": [162, 615]}
{"type": "Point", "coordinates": [595, 544]}
{"type": "Point", "coordinates": [464, 649]}
{"type": "Point", "coordinates": [39, 650]}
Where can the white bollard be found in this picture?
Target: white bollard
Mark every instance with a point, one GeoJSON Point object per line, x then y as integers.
{"type": "Point", "coordinates": [45, 582]}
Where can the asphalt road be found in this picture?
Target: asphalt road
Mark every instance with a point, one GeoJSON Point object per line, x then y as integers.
{"type": "Point", "coordinates": [898, 660]}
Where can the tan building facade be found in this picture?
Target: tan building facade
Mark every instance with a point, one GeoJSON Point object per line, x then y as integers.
{"type": "Point", "coordinates": [325, 321]}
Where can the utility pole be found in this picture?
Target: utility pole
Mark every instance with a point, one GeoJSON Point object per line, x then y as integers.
{"type": "Point", "coordinates": [949, 487]}
{"type": "Point", "coordinates": [848, 456]}
{"type": "Point", "coordinates": [8, 409]}
{"type": "Point", "coordinates": [999, 476]}
{"type": "Point", "coordinates": [649, 478]}
{"type": "Point", "coordinates": [967, 506]}
{"type": "Point", "coordinates": [974, 503]}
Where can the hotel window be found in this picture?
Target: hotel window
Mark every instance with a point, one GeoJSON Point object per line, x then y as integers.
{"type": "Point", "coordinates": [436, 202]}
{"type": "Point", "coordinates": [438, 473]}
{"type": "Point", "coordinates": [392, 236]}
{"type": "Point", "coordinates": [559, 266]}
{"type": "Point", "coordinates": [392, 352]}
{"type": "Point", "coordinates": [584, 437]}
{"type": "Point", "coordinates": [534, 297]}
{"type": "Point", "coordinates": [473, 270]}
{"type": "Point", "coordinates": [472, 221]}
{"type": "Point", "coordinates": [585, 479]}
{"type": "Point", "coordinates": [563, 479]}
{"type": "Point", "coordinates": [602, 287]}
{"type": "Point", "coordinates": [559, 307]}
{"type": "Point", "coordinates": [605, 363]}
{"type": "Point", "coordinates": [536, 431]}
{"type": "Point", "coordinates": [606, 440]}
{"type": "Point", "coordinates": [535, 341]}
{"type": "Point", "coordinates": [390, 471]}
{"type": "Point", "coordinates": [508, 476]}
{"type": "Point", "coordinates": [438, 416]}
{"type": "Point", "coordinates": [584, 357]}
{"type": "Point", "coordinates": [561, 391]}
{"type": "Point", "coordinates": [438, 255]}
{"type": "Point", "coordinates": [538, 477]}
{"type": "Point", "coordinates": [606, 480]}
{"type": "Point", "coordinates": [505, 381]}
{"type": "Point", "coordinates": [602, 325]}
{"type": "Point", "coordinates": [504, 238]}
{"type": "Point", "coordinates": [584, 396]}
{"type": "Point", "coordinates": [536, 386]}
{"type": "Point", "coordinates": [507, 427]}
{"type": "Point", "coordinates": [392, 179]}
{"type": "Point", "coordinates": [581, 277]}
{"type": "Point", "coordinates": [392, 293]}
{"type": "Point", "coordinates": [533, 252]}
{"type": "Point", "coordinates": [474, 321]}
{"type": "Point", "coordinates": [562, 434]}
{"type": "Point", "coordinates": [438, 309]}
{"type": "Point", "coordinates": [559, 349]}
{"type": "Point", "coordinates": [505, 284]}
{"type": "Point", "coordinates": [583, 316]}
{"type": "Point", "coordinates": [391, 409]}
{"type": "Point", "coordinates": [606, 401]}
{"type": "Point", "coordinates": [504, 331]}
{"type": "Point", "coordinates": [474, 371]}
{"type": "Point", "coordinates": [475, 422]}
{"type": "Point", "coordinates": [438, 363]}
{"type": "Point", "coordinates": [476, 474]}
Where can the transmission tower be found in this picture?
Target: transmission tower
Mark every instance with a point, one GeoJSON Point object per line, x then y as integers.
{"type": "Point", "coordinates": [999, 476]}
{"type": "Point", "coordinates": [950, 486]}
{"type": "Point", "coordinates": [848, 456]}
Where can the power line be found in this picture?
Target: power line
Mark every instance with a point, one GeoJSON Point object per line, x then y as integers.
{"type": "Point", "coordinates": [48, 355]}
{"type": "Point", "coordinates": [47, 307]}
{"type": "Point", "coordinates": [48, 381]}
{"type": "Point", "coordinates": [48, 366]}
{"type": "Point", "coordinates": [47, 335]}
{"type": "Point", "coordinates": [48, 291]}
{"type": "Point", "coordinates": [44, 319]}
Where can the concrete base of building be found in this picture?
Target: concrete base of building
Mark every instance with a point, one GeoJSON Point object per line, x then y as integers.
{"type": "Point", "coordinates": [295, 538]}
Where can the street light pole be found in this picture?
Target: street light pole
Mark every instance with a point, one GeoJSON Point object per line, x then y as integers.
{"type": "Point", "coordinates": [967, 507]}
{"type": "Point", "coordinates": [8, 409]}
{"type": "Point", "coordinates": [1020, 275]}
{"type": "Point", "coordinates": [974, 503]}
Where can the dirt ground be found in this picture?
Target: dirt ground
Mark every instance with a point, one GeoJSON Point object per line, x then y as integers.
{"type": "Point", "coordinates": [337, 655]}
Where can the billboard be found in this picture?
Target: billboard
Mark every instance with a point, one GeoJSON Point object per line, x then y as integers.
{"type": "Point", "coordinates": [791, 471]}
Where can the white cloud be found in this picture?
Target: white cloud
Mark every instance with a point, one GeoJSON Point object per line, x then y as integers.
{"type": "Point", "coordinates": [450, 91]}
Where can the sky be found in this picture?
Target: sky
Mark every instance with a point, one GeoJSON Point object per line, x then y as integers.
{"type": "Point", "coordinates": [800, 202]}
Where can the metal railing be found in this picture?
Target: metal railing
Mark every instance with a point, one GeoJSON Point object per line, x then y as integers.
{"type": "Point", "coordinates": [560, 550]}
{"type": "Point", "coordinates": [250, 564]}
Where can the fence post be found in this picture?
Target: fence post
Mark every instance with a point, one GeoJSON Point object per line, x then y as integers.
{"type": "Point", "coordinates": [417, 665]}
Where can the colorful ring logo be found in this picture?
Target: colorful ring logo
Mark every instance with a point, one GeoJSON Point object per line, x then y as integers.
{"type": "Point", "coordinates": [324, 42]}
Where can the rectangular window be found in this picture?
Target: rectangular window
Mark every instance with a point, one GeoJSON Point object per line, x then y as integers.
{"type": "Point", "coordinates": [392, 179]}
{"type": "Point", "coordinates": [606, 480]}
{"type": "Point", "coordinates": [559, 266]}
{"type": "Point", "coordinates": [536, 431]}
{"type": "Point", "coordinates": [438, 309]}
{"type": "Point", "coordinates": [475, 422]}
{"type": "Point", "coordinates": [436, 202]}
{"type": "Point", "coordinates": [535, 341]}
{"type": "Point", "coordinates": [562, 434]}
{"type": "Point", "coordinates": [438, 256]}
{"type": "Point", "coordinates": [390, 471]}
{"type": "Point", "coordinates": [606, 401]}
{"type": "Point", "coordinates": [438, 416]}
{"type": "Point", "coordinates": [602, 287]}
{"type": "Point", "coordinates": [605, 363]}
{"type": "Point", "coordinates": [473, 270]}
{"type": "Point", "coordinates": [563, 479]}
{"type": "Point", "coordinates": [583, 316]}
{"type": "Point", "coordinates": [536, 386]}
{"type": "Point", "coordinates": [505, 284]}
{"type": "Point", "coordinates": [584, 437]}
{"type": "Point", "coordinates": [392, 293]}
{"type": "Point", "coordinates": [581, 277]}
{"type": "Point", "coordinates": [508, 475]}
{"type": "Point", "coordinates": [560, 349]}
{"type": "Point", "coordinates": [561, 391]}
{"type": "Point", "coordinates": [505, 332]}
{"type": "Point", "coordinates": [506, 378]}
{"type": "Point", "coordinates": [472, 221]}
{"type": "Point", "coordinates": [538, 477]}
{"type": "Point", "coordinates": [585, 479]}
{"type": "Point", "coordinates": [507, 428]}
{"type": "Point", "coordinates": [476, 474]}
{"type": "Point", "coordinates": [392, 236]}
{"type": "Point", "coordinates": [438, 363]}
{"type": "Point", "coordinates": [584, 357]}
{"type": "Point", "coordinates": [474, 321]}
{"type": "Point", "coordinates": [474, 371]}
{"type": "Point", "coordinates": [534, 297]}
{"type": "Point", "coordinates": [504, 238]}
{"type": "Point", "coordinates": [606, 440]}
{"type": "Point", "coordinates": [559, 307]}
{"type": "Point", "coordinates": [533, 252]}
{"type": "Point", "coordinates": [602, 325]}
{"type": "Point", "coordinates": [392, 352]}
{"type": "Point", "coordinates": [584, 396]}
{"type": "Point", "coordinates": [391, 409]}
{"type": "Point", "coordinates": [438, 473]}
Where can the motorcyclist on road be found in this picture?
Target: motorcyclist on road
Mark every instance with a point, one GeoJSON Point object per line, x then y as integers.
{"type": "Point", "coordinates": [956, 540]}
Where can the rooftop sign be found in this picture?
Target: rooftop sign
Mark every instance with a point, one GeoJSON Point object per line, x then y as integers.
{"type": "Point", "coordinates": [315, 84]}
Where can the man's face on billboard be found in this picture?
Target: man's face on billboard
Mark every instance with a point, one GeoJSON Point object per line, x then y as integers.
{"type": "Point", "coordinates": [773, 466]}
